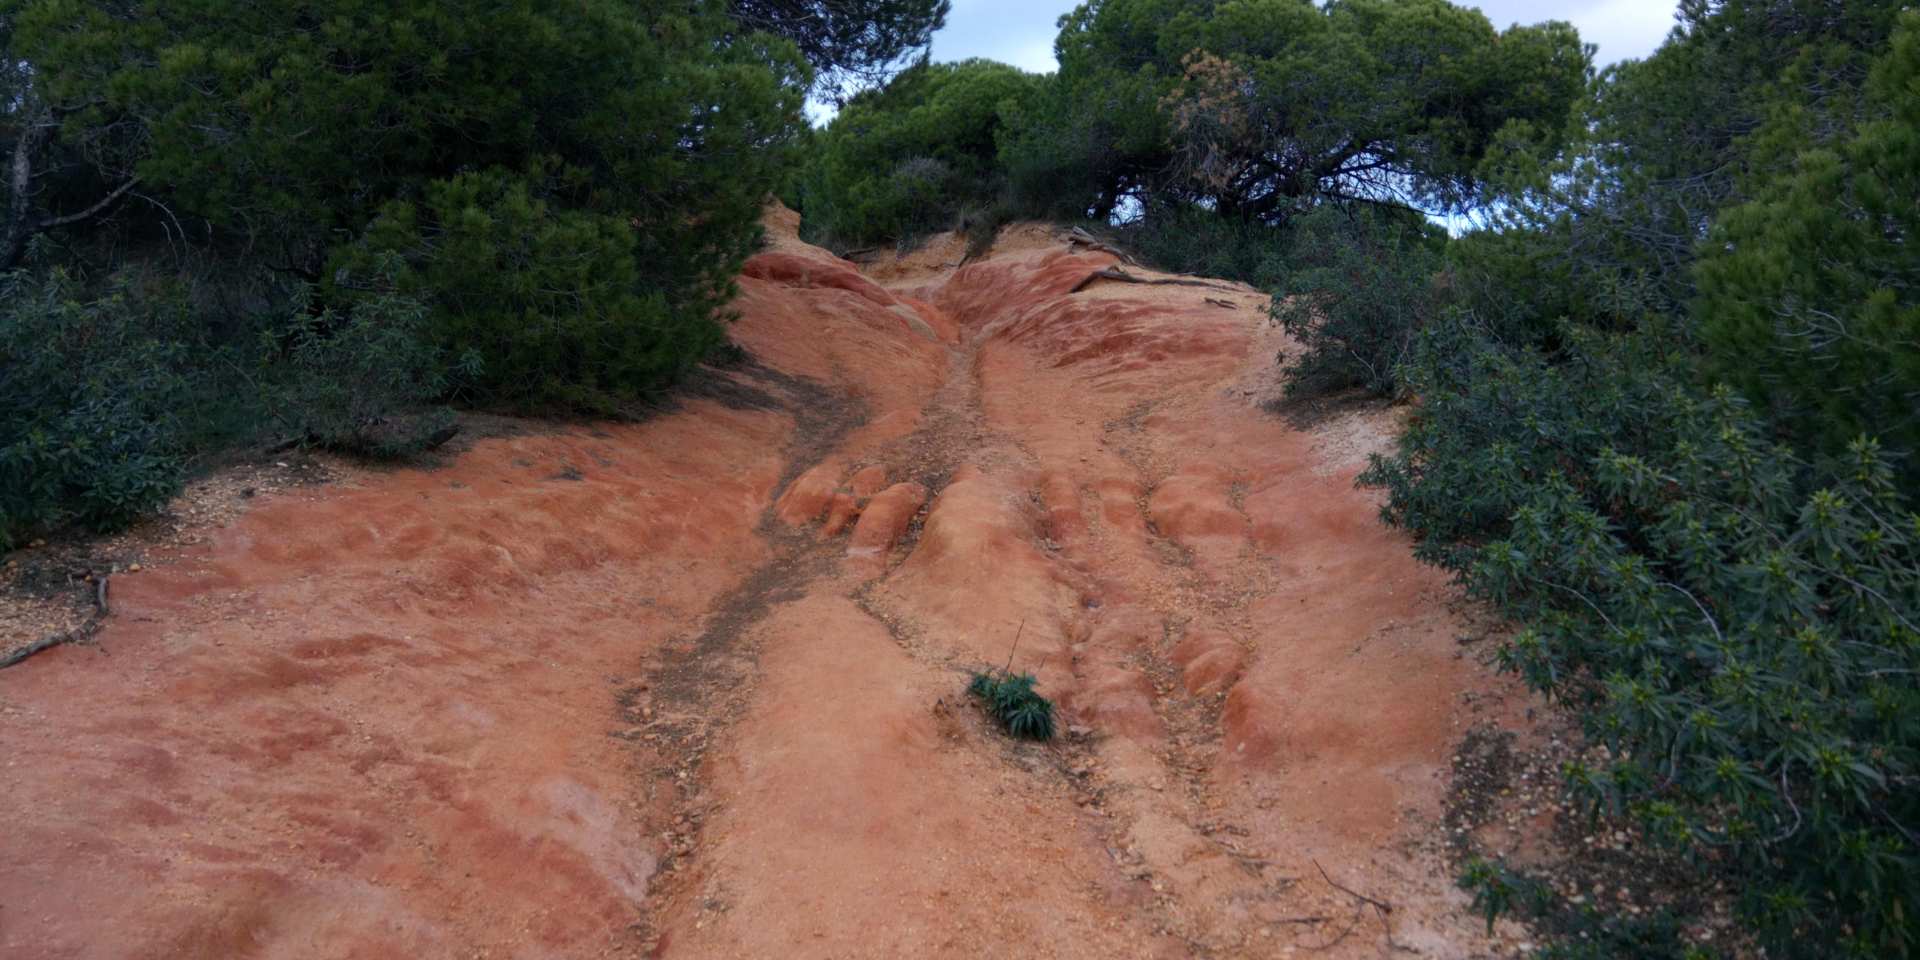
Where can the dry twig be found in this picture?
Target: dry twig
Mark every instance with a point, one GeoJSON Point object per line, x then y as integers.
{"type": "Point", "coordinates": [78, 634]}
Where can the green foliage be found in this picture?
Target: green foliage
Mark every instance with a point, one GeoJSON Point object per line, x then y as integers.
{"type": "Point", "coordinates": [905, 160]}
{"type": "Point", "coordinates": [1182, 238]}
{"type": "Point", "coordinates": [1010, 699]}
{"type": "Point", "coordinates": [1612, 224]}
{"type": "Point", "coordinates": [1095, 135]}
{"type": "Point", "coordinates": [1736, 624]}
{"type": "Point", "coordinates": [1262, 109]}
{"type": "Point", "coordinates": [1581, 930]}
{"type": "Point", "coordinates": [114, 394]}
{"type": "Point", "coordinates": [360, 383]}
{"type": "Point", "coordinates": [1657, 456]}
{"type": "Point", "coordinates": [341, 212]}
{"type": "Point", "coordinates": [91, 389]}
{"type": "Point", "coordinates": [850, 43]}
{"type": "Point", "coordinates": [548, 300]}
{"type": "Point", "coordinates": [1810, 292]}
{"type": "Point", "coordinates": [638, 140]}
{"type": "Point", "coordinates": [1251, 110]}
{"type": "Point", "coordinates": [1360, 288]}
{"type": "Point", "coordinates": [1280, 104]}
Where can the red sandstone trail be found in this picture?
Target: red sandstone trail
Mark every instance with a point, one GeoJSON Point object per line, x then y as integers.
{"type": "Point", "coordinates": [694, 687]}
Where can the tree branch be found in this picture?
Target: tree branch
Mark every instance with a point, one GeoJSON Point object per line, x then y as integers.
{"type": "Point", "coordinates": [49, 223]}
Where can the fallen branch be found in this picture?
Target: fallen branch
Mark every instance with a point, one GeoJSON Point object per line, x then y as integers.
{"type": "Point", "coordinates": [1381, 909]}
{"type": "Point", "coordinates": [1115, 273]}
{"type": "Point", "coordinates": [1091, 242]}
{"type": "Point", "coordinates": [1216, 301]}
{"type": "Point", "coordinates": [1353, 925]}
{"type": "Point", "coordinates": [78, 634]}
{"type": "Point", "coordinates": [1383, 906]}
{"type": "Point", "coordinates": [287, 444]}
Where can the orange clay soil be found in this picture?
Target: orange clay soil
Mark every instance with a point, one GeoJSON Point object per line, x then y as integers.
{"type": "Point", "coordinates": [694, 687]}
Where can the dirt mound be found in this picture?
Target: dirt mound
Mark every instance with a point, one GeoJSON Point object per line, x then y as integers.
{"type": "Point", "coordinates": [695, 686]}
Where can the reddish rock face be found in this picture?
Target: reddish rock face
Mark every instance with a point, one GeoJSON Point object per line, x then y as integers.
{"type": "Point", "coordinates": [1209, 661]}
{"type": "Point", "coordinates": [705, 697]}
{"type": "Point", "coordinates": [868, 481]}
{"type": "Point", "coordinates": [809, 495]}
{"type": "Point", "coordinates": [881, 524]}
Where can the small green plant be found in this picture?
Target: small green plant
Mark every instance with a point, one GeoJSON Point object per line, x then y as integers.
{"type": "Point", "coordinates": [1009, 698]}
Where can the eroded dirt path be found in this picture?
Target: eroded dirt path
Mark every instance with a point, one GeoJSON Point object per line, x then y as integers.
{"type": "Point", "coordinates": [694, 687]}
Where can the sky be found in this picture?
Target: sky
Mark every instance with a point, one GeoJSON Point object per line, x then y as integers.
{"type": "Point", "coordinates": [1021, 32]}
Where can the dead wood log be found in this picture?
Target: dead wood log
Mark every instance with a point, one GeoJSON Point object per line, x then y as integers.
{"type": "Point", "coordinates": [78, 634]}
{"type": "Point", "coordinates": [1117, 274]}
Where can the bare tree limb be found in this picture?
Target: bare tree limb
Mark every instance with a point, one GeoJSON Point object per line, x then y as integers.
{"type": "Point", "coordinates": [92, 211]}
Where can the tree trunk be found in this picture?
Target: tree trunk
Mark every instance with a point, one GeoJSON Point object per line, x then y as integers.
{"type": "Point", "coordinates": [21, 224]}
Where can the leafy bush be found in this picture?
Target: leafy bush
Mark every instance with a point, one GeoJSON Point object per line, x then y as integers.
{"type": "Point", "coordinates": [363, 383]}
{"type": "Point", "coordinates": [343, 197]}
{"type": "Point", "coordinates": [1360, 287]}
{"type": "Point", "coordinates": [1010, 699]}
{"type": "Point", "coordinates": [113, 396]}
{"type": "Point", "coordinates": [1735, 623]}
{"type": "Point", "coordinates": [1582, 931]}
{"type": "Point", "coordinates": [1723, 584]}
{"type": "Point", "coordinates": [92, 390]}
{"type": "Point", "coordinates": [1182, 238]}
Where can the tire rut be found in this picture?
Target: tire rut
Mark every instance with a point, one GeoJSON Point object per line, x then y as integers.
{"type": "Point", "coordinates": [700, 686]}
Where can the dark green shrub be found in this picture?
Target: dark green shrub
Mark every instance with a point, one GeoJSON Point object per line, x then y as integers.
{"type": "Point", "coordinates": [1010, 699]}
{"type": "Point", "coordinates": [1724, 586]}
{"type": "Point", "coordinates": [1181, 238]}
{"type": "Point", "coordinates": [572, 185]}
{"type": "Point", "coordinates": [548, 300]}
{"type": "Point", "coordinates": [1581, 931]}
{"type": "Point", "coordinates": [1735, 623]}
{"type": "Point", "coordinates": [91, 387]}
{"type": "Point", "coordinates": [363, 383]}
{"type": "Point", "coordinates": [114, 393]}
{"type": "Point", "coordinates": [1360, 286]}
